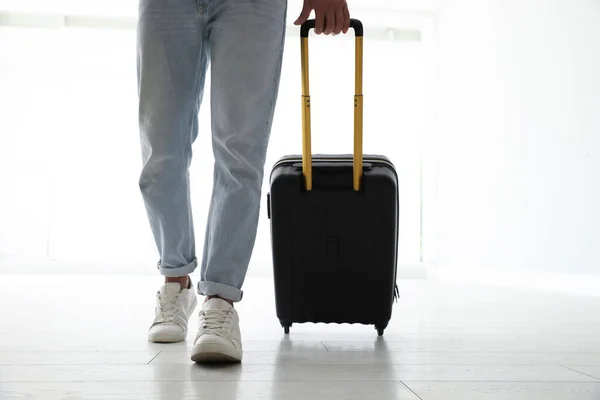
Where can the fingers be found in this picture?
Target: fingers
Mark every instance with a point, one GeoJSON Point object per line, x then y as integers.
{"type": "Point", "coordinates": [304, 15]}
{"type": "Point", "coordinates": [329, 22]}
{"type": "Point", "coordinates": [339, 21]}
{"type": "Point", "coordinates": [346, 13]}
{"type": "Point", "coordinates": [319, 22]}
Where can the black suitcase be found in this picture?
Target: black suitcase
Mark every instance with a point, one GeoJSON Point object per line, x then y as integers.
{"type": "Point", "coordinates": [334, 227]}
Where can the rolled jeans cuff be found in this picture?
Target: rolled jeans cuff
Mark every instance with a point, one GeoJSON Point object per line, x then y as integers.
{"type": "Point", "coordinates": [221, 290]}
{"type": "Point", "coordinates": [178, 271]}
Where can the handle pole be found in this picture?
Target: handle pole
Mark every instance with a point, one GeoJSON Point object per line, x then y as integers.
{"type": "Point", "coordinates": [358, 113]}
{"type": "Point", "coordinates": [306, 123]}
{"type": "Point", "coordinates": [358, 104]}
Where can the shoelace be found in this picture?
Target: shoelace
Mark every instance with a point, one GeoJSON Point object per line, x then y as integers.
{"type": "Point", "coordinates": [214, 321]}
{"type": "Point", "coordinates": [168, 307]}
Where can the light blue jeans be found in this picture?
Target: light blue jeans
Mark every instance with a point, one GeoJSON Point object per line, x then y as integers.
{"type": "Point", "coordinates": [242, 41]}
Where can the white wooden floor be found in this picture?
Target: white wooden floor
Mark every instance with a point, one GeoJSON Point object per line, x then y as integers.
{"type": "Point", "coordinates": [84, 337]}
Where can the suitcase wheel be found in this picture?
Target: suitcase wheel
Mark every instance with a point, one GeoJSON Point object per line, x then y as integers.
{"type": "Point", "coordinates": [380, 328]}
{"type": "Point", "coordinates": [286, 326]}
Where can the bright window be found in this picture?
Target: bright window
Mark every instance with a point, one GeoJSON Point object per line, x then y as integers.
{"type": "Point", "coordinates": [69, 146]}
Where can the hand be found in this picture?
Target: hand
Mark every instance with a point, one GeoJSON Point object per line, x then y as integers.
{"type": "Point", "coordinates": [331, 16]}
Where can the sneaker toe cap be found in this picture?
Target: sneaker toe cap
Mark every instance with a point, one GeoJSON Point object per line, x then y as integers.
{"type": "Point", "coordinates": [208, 338]}
{"type": "Point", "coordinates": [166, 333]}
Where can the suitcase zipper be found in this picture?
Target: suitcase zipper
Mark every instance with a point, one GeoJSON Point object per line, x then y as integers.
{"type": "Point", "coordinates": [396, 293]}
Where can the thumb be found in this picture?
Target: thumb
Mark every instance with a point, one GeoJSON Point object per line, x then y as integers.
{"type": "Point", "coordinates": [304, 15]}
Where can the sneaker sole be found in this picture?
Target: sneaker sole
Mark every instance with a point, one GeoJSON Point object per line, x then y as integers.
{"type": "Point", "coordinates": [166, 338]}
{"type": "Point", "coordinates": [213, 353]}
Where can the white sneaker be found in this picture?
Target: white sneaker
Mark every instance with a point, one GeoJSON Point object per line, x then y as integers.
{"type": "Point", "coordinates": [174, 306]}
{"type": "Point", "coordinates": [219, 339]}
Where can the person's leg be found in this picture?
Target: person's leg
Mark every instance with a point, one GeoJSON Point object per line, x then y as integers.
{"type": "Point", "coordinates": [246, 41]}
{"type": "Point", "coordinates": [172, 61]}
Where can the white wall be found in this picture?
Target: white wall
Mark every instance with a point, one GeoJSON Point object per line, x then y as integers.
{"type": "Point", "coordinates": [519, 135]}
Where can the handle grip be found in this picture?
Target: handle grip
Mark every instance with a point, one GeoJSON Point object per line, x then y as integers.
{"type": "Point", "coordinates": [358, 105]}
{"type": "Point", "coordinates": [310, 24]}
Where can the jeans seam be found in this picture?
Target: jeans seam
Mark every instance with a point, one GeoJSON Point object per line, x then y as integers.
{"type": "Point", "coordinates": [199, 8]}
